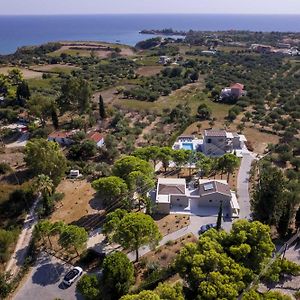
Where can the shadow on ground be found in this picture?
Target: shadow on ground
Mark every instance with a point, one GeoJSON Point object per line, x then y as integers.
{"type": "Point", "coordinates": [97, 203]}
{"type": "Point", "coordinates": [48, 274]}
{"type": "Point", "coordinates": [90, 222]}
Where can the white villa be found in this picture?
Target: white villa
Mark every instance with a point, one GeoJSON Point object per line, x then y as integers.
{"type": "Point", "coordinates": [214, 143]}
{"type": "Point", "coordinates": [173, 196]}
{"type": "Point", "coordinates": [219, 142]}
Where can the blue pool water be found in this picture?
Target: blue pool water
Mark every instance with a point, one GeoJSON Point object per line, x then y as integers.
{"type": "Point", "coordinates": [187, 146]}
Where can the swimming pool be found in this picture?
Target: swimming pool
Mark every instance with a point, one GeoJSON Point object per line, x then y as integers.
{"type": "Point", "coordinates": [188, 146]}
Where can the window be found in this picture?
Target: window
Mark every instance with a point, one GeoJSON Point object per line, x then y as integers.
{"type": "Point", "coordinates": [208, 186]}
{"type": "Point", "coordinates": [210, 201]}
{"type": "Point", "coordinates": [208, 141]}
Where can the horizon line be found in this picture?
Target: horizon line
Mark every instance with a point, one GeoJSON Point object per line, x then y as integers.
{"type": "Point", "coordinates": [152, 13]}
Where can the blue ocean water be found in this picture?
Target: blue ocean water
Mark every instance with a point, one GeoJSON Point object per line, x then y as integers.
{"type": "Point", "coordinates": [16, 31]}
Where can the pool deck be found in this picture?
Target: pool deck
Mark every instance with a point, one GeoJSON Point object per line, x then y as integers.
{"type": "Point", "coordinates": [188, 144]}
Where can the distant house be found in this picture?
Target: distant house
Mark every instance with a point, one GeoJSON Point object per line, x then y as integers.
{"type": "Point", "coordinates": [164, 60]}
{"type": "Point", "coordinates": [64, 138]}
{"type": "Point", "coordinates": [284, 45]}
{"type": "Point", "coordinates": [209, 52]}
{"type": "Point", "coordinates": [236, 90]}
{"type": "Point", "coordinates": [172, 196]}
{"type": "Point", "coordinates": [96, 137]}
{"type": "Point", "coordinates": [219, 142]}
{"type": "Point", "coordinates": [261, 48]}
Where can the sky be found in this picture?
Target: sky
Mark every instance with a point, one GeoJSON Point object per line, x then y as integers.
{"type": "Point", "coordinates": [52, 7]}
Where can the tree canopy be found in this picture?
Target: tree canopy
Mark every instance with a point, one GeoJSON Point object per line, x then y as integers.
{"type": "Point", "coordinates": [73, 236]}
{"type": "Point", "coordinates": [44, 157]}
{"type": "Point", "coordinates": [221, 264]}
{"type": "Point", "coordinates": [127, 164]}
{"type": "Point", "coordinates": [164, 291]}
{"type": "Point", "coordinates": [133, 230]}
{"type": "Point", "coordinates": [88, 286]}
{"type": "Point", "coordinates": [110, 187]}
{"type": "Point", "coordinates": [118, 274]}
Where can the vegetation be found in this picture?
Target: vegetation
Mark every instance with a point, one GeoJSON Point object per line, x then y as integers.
{"type": "Point", "coordinates": [163, 291]}
{"type": "Point", "coordinates": [168, 80]}
{"type": "Point", "coordinates": [132, 231]}
{"type": "Point", "coordinates": [118, 274]}
{"type": "Point", "coordinates": [275, 199]}
{"type": "Point", "coordinates": [88, 286]}
{"type": "Point", "coordinates": [222, 264]}
{"type": "Point", "coordinates": [111, 187]}
{"type": "Point", "coordinates": [44, 157]}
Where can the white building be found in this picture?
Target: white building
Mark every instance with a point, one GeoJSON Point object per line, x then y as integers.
{"type": "Point", "coordinates": [172, 196]}
{"type": "Point", "coordinates": [219, 142]}
{"type": "Point", "coordinates": [64, 138]}
{"type": "Point", "coordinates": [96, 137]}
{"type": "Point", "coordinates": [164, 60]}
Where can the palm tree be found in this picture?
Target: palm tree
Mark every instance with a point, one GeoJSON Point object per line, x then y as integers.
{"type": "Point", "coordinates": [44, 185]}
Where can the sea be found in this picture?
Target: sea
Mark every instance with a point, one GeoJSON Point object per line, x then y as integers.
{"type": "Point", "coordinates": [17, 31]}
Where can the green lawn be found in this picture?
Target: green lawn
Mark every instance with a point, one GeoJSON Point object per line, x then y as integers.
{"type": "Point", "coordinates": [40, 83]}
{"type": "Point", "coordinates": [71, 52]}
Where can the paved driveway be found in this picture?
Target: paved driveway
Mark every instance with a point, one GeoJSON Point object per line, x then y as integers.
{"type": "Point", "coordinates": [243, 186]}
{"type": "Point", "coordinates": [44, 281]}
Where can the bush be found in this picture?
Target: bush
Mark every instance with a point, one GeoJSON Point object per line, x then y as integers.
{"type": "Point", "coordinates": [5, 287]}
{"type": "Point", "coordinates": [5, 168]}
{"type": "Point", "coordinates": [7, 238]}
{"type": "Point", "coordinates": [88, 286]}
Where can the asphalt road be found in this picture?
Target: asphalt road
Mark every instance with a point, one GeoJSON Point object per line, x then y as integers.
{"type": "Point", "coordinates": [243, 186]}
{"type": "Point", "coordinates": [44, 282]}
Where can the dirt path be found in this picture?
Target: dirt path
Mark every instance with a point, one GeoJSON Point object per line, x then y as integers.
{"type": "Point", "coordinates": [20, 252]}
{"type": "Point", "coordinates": [146, 130]}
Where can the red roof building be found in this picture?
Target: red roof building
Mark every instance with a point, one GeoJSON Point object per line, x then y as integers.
{"type": "Point", "coordinates": [96, 137]}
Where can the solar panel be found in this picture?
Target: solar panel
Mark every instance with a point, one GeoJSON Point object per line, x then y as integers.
{"type": "Point", "coordinates": [208, 186]}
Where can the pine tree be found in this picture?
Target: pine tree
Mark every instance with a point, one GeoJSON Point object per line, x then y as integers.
{"type": "Point", "coordinates": [54, 118]}
{"type": "Point", "coordinates": [220, 215]}
{"type": "Point", "coordinates": [102, 112]}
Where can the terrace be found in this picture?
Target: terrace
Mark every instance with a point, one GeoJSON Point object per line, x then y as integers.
{"type": "Point", "coordinates": [188, 143]}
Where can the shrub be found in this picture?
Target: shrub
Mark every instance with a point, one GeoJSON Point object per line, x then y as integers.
{"type": "Point", "coordinates": [5, 168]}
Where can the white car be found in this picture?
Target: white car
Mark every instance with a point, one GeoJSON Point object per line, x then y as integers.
{"type": "Point", "coordinates": [72, 275]}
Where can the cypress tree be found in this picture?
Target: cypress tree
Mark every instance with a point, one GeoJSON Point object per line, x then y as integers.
{"type": "Point", "coordinates": [220, 215]}
{"type": "Point", "coordinates": [102, 112]}
{"type": "Point", "coordinates": [54, 118]}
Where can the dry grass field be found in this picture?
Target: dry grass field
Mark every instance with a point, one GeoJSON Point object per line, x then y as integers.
{"type": "Point", "coordinates": [27, 74]}
{"type": "Point", "coordinates": [79, 201]}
